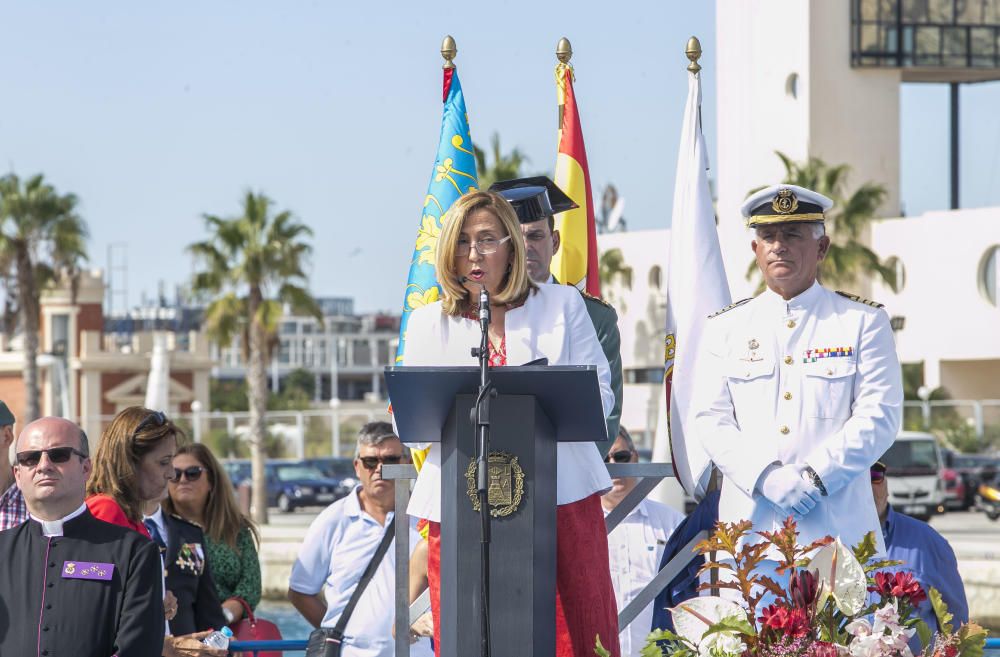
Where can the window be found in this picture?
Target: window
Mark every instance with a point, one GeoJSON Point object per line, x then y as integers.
{"type": "Point", "coordinates": [655, 277]}
{"type": "Point", "coordinates": [989, 274]}
{"type": "Point", "coordinates": [896, 265]}
{"type": "Point", "coordinates": [643, 375]}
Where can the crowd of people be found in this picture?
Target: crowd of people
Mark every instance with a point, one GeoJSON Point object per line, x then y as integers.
{"type": "Point", "coordinates": [141, 549]}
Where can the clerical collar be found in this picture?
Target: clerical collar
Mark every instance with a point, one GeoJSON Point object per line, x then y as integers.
{"type": "Point", "coordinates": [55, 527]}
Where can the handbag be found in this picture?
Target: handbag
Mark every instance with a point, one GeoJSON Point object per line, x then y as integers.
{"type": "Point", "coordinates": [254, 628]}
{"type": "Point", "coordinates": [327, 642]}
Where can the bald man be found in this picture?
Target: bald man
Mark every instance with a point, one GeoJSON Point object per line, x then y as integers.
{"type": "Point", "coordinates": [71, 584]}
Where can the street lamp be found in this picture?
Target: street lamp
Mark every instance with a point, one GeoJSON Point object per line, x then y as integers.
{"type": "Point", "coordinates": [924, 393]}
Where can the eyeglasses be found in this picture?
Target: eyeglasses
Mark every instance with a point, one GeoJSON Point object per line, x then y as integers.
{"type": "Point", "coordinates": [878, 476]}
{"type": "Point", "coordinates": [372, 462]}
{"type": "Point", "coordinates": [156, 418]}
{"type": "Point", "coordinates": [192, 473]}
{"type": "Point", "coordinates": [621, 456]}
{"type": "Point", "coordinates": [31, 458]}
{"type": "Point", "coordinates": [485, 246]}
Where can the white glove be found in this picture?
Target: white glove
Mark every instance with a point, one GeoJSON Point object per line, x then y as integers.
{"type": "Point", "coordinates": [789, 490]}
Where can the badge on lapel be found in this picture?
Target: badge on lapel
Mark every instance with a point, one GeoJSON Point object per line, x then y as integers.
{"type": "Point", "coordinates": [87, 570]}
{"type": "Point", "coordinates": [191, 558]}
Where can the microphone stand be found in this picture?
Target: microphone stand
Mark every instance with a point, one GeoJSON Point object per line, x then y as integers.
{"type": "Point", "coordinates": [481, 419]}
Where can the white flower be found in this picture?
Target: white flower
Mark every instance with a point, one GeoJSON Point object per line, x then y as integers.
{"type": "Point", "coordinates": [721, 644]}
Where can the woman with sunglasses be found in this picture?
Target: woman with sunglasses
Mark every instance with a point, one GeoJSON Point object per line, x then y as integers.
{"type": "Point", "coordinates": [133, 463]}
{"type": "Point", "coordinates": [200, 492]}
{"type": "Point", "coordinates": [527, 322]}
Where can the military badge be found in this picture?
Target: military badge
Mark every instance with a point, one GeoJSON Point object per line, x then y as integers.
{"type": "Point", "coordinates": [752, 347]}
{"type": "Point", "coordinates": [506, 484]}
{"type": "Point", "coordinates": [191, 558]}
{"type": "Point", "coordinates": [813, 355]}
{"type": "Point", "coordinates": [87, 570]}
{"type": "Point", "coordinates": [785, 202]}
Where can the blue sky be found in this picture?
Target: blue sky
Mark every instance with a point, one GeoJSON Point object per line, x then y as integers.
{"type": "Point", "coordinates": [155, 114]}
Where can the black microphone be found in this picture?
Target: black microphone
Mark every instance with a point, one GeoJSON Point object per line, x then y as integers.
{"type": "Point", "coordinates": [484, 305]}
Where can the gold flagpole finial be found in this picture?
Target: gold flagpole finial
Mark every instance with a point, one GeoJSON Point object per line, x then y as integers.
{"type": "Point", "coordinates": [564, 51]}
{"type": "Point", "coordinates": [448, 50]}
{"type": "Point", "coordinates": [693, 52]}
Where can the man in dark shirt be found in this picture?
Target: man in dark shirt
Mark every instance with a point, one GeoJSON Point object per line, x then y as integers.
{"type": "Point", "coordinates": [71, 584]}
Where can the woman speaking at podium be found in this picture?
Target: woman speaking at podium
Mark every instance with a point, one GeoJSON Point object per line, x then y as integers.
{"type": "Point", "coordinates": [481, 245]}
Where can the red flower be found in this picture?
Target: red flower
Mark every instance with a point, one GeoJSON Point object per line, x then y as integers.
{"type": "Point", "coordinates": [778, 620]}
{"type": "Point", "coordinates": [802, 589]}
{"type": "Point", "coordinates": [899, 585]}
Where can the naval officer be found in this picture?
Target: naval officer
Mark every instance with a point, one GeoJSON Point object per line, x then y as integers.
{"type": "Point", "coordinates": [71, 584]}
{"type": "Point", "coordinates": [799, 389]}
{"type": "Point", "coordinates": [536, 201]}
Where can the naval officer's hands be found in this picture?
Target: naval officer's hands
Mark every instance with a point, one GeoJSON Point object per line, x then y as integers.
{"type": "Point", "coordinates": [788, 491]}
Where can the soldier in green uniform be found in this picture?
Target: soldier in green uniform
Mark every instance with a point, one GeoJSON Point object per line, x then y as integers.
{"type": "Point", "coordinates": [537, 200]}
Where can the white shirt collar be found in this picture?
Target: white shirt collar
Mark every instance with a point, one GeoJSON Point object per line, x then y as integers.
{"type": "Point", "coordinates": [55, 527]}
{"type": "Point", "coordinates": [805, 300]}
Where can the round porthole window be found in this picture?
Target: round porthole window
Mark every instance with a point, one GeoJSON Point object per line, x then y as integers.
{"type": "Point", "coordinates": [899, 271]}
{"type": "Point", "coordinates": [989, 274]}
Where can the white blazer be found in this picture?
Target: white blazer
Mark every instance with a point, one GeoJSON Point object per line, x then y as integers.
{"type": "Point", "coordinates": [553, 323]}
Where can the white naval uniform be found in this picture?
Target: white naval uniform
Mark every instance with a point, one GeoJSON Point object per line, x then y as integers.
{"type": "Point", "coordinates": [553, 323]}
{"type": "Point", "coordinates": [814, 380]}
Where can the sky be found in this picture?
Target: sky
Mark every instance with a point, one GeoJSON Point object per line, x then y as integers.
{"type": "Point", "coordinates": [156, 113]}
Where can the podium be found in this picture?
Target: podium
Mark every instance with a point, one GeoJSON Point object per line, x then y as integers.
{"type": "Point", "coordinates": [536, 408]}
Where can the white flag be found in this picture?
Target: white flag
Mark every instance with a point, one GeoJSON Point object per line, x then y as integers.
{"type": "Point", "coordinates": [696, 287]}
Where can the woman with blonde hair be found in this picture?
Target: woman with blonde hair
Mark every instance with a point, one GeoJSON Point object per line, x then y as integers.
{"type": "Point", "coordinates": [202, 493]}
{"type": "Point", "coordinates": [481, 246]}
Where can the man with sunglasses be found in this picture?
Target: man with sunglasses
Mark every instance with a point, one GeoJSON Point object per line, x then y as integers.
{"type": "Point", "coordinates": [342, 541]}
{"type": "Point", "coordinates": [923, 552]}
{"type": "Point", "coordinates": [12, 509]}
{"type": "Point", "coordinates": [636, 544]}
{"type": "Point", "coordinates": [71, 584]}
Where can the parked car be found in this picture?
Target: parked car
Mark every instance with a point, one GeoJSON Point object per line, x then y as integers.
{"type": "Point", "coordinates": [913, 465]}
{"type": "Point", "coordinates": [294, 484]}
{"type": "Point", "coordinates": [969, 470]}
{"type": "Point", "coordinates": [340, 469]}
{"type": "Point", "coordinates": [238, 470]}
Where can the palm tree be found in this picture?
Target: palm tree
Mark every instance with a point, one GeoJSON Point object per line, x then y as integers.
{"type": "Point", "coordinates": [252, 264]}
{"type": "Point", "coordinates": [504, 167]}
{"type": "Point", "coordinates": [41, 238]}
{"type": "Point", "coordinates": [848, 257]}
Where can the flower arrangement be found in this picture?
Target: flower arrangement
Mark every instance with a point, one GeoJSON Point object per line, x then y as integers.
{"type": "Point", "coordinates": [826, 610]}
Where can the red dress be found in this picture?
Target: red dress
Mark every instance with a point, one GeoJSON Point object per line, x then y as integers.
{"type": "Point", "coordinates": [103, 507]}
{"type": "Point", "coordinates": [585, 598]}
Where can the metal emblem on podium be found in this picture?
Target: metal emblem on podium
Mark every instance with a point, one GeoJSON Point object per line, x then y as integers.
{"type": "Point", "coordinates": [506, 484]}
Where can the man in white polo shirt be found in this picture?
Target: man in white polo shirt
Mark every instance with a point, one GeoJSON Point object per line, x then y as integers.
{"type": "Point", "coordinates": [339, 545]}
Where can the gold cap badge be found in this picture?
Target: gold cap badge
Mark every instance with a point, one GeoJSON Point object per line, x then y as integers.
{"type": "Point", "coordinates": [785, 202]}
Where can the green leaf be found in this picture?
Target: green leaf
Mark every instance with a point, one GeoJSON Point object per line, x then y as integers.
{"type": "Point", "coordinates": [737, 624]}
{"type": "Point", "coordinates": [924, 633]}
{"type": "Point", "coordinates": [599, 649]}
{"type": "Point", "coordinates": [865, 549]}
{"type": "Point", "coordinates": [940, 610]}
{"type": "Point", "coordinates": [971, 640]}
{"type": "Point", "coordinates": [663, 635]}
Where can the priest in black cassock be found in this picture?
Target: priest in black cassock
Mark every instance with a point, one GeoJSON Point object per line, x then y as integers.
{"type": "Point", "coordinates": [71, 584]}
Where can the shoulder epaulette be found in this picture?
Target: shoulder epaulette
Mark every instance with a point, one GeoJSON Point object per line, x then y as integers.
{"type": "Point", "coordinates": [588, 295]}
{"type": "Point", "coordinates": [854, 297]}
{"type": "Point", "coordinates": [729, 307]}
{"type": "Point", "coordinates": [185, 520]}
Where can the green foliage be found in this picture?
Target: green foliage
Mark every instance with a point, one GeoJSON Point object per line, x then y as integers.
{"type": "Point", "coordinates": [971, 640]}
{"type": "Point", "coordinates": [944, 617]}
{"type": "Point", "coordinates": [611, 265]}
{"type": "Point", "coordinates": [502, 167]}
{"type": "Point", "coordinates": [731, 624]}
{"type": "Point", "coordinates": [228, 395]}
{"type": "Point", "coordinates": [848, 258]}
{"type": "Point", "coordinates": [599, 649]}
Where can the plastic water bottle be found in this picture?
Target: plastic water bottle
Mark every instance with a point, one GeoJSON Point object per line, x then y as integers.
{"type": "Point", "coordinates": [219, 638]}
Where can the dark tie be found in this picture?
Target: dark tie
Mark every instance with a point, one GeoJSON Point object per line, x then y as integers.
{"type": "Point", "coordinates": [154, 532]}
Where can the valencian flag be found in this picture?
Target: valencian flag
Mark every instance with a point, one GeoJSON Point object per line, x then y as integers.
{"type": "Point", "coordinates": [696, 287]}
{"type": "Point", "coordinates": [576, 261]}
{"type": "Point", "coordinates": [454, 174]}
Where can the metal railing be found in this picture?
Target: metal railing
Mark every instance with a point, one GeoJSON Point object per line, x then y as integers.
{"type": "Point", "coordinates": [649, 475]}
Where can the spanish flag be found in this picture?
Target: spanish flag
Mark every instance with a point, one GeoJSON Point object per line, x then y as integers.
{"type": "Point", "coordinates": [576, 261]}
